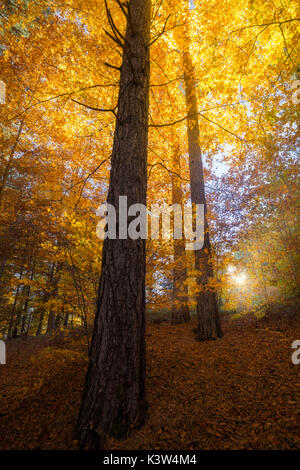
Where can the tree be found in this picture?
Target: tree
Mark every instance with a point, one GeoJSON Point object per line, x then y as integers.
{"type": "Point", "coordinates": [180, 307]}
{"type": "Point", "coordinates": [207, 306]}
{"type": "Point", "coordinates": [114, 394]}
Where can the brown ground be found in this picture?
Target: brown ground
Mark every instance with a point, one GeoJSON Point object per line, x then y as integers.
{"type": "Point", "coordinates": [239, 392]}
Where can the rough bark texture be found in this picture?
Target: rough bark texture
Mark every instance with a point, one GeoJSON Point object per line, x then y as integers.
{"type": "Point", "coordinates": [207, 308]}
{"type": "Point", "coordinates": [180, 307]}
{"type": "Point", "coordinates": [114, 395]}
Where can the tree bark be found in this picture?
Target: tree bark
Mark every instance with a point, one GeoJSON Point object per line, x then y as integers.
{"type": "Point", "coordinates": [24, 330]}
{"type": "Point", "coordinates": [50, 323]}
{"type": "Point", "coordinates": [10, 161]}
{"type": "Point", "coordinates": [41, 320]}
{"type": "Point", "coordinates": [180, 307]}
{"type": "Point", "coordinates": [207, 308]}
{"type": "Point", "coordinates": [114, 398]}
{"type": "Point", "coordinates": [47, 296]}
{"type": "Point", "coordinates": [11, 330]}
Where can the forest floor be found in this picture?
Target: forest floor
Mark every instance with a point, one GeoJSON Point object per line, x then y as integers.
{"type": "Point", "coordinates": [238, 392]}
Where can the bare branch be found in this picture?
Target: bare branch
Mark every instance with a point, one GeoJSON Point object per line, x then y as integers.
{"type": "Point", "coordinates": [223, 128]}
{"type": "Point", "coordinates": [166, 83]}
{"type": "Point", "coordinates": [117, 41]}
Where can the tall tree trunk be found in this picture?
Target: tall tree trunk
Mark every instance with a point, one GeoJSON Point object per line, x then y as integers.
{"type": "Point", "coordinates": [180, 307]}
{"type": "Point", "coordinates": [41, 321]}
{"type": "Point", "coordinates": [114, 395]}
{"type": "Point", "coordinates": [24, 330]}
{"type": "Point", "coordinates": [207, 306]}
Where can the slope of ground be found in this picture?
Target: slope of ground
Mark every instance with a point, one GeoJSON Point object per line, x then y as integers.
{"type": "Point", "coordinates": [239, 392]}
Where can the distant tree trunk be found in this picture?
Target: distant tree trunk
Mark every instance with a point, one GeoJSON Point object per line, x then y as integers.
{"type": "Point", "coordinates": [45, 300]}
{"type": "Point", "coordinates": [207, 306]}
{"type": "Point", "coordinates": [180, 307]}
{"type": "Point", "coordinates": [66, 319]}
{"type": "Point", "coordinates": [114, 398]}
{"type": "Point", "coordinates": [24, 330]}
{"type": "Point", "coordinates": [10, 161]}
{"type": "Point", "coordinates": [50, 323]}
{"type": "Point", "coordinates": [11, 330]}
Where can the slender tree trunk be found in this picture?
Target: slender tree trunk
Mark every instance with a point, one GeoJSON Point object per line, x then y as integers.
{"type": "Point", "coordinates": [114, 398]}
{"type": "Point", "coordinates": [11, 330]}
{"type": "Point", "coordinates": [45, 299]}
{"type": "Point", "coordinates": [50, 323]}
{"type": "Point", "coordinates": [80, 296]}
{"type": "Point", "coordinates": [66, 319]}
{"type": "Point", "coordinates": [41, 321]}
{"type": "Point", "coordinates": [10, 161]}
{"type": "Point", "coordinates": [207, 306]}
{"type": "Point", "coordinates": [57, 321]}
{"type": "Point", "coordinates": [180, 307]}
{"type": "Point", "coordinates": [24, 331]}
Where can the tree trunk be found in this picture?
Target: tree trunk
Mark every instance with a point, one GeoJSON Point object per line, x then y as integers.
{"type": "Point", "coordinates": [51, 325]}
{"type": "Point", "coordinates": [66, 319]}
{"type": "Point", "coordinates": [11, 330]}
{"type": "Point", "coordinates": [114, 398]}
{"type": "Point", "coordinates": [180, 307]}
{"type": "Point", "coordinates": [207, 307]}
{"type": "Point", "coordinates": [10, 161]}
